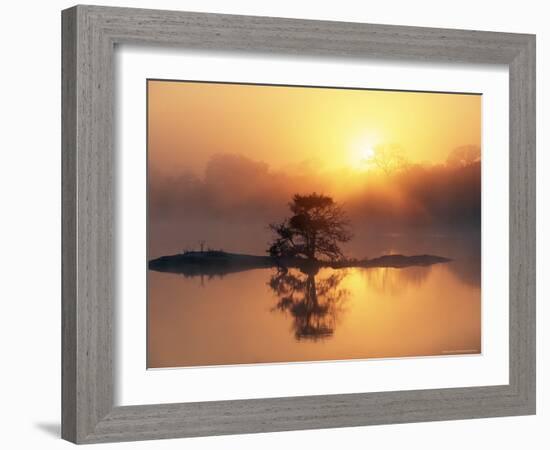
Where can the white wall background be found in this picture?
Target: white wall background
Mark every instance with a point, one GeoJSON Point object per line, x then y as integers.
{"type": "Point", "coordinates": [30, 223]}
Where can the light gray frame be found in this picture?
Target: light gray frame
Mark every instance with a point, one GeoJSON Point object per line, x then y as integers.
{"type": "Point", "coordinates": [89, 36]}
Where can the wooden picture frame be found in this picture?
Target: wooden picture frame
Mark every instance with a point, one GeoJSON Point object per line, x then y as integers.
{"type": "Point", "coordinates": [89, 35]}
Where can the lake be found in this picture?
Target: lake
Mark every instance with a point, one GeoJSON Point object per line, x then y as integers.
{"type": "Point", "coordinates": [272, 316]}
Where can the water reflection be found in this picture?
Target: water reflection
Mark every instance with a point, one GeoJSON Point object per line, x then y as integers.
{"type": "Point", "coordinates": [268, 315]}
{"type": "Point", "coordinates": [313, 302]}
{"type": "Point", "coordinates": [392, 282]}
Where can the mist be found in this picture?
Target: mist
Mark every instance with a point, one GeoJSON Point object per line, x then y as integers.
{"type": "Point", "coordinates": [230, 204]}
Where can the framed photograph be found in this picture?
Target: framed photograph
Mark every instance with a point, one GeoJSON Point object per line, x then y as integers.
{"type": "Point", "coordinates": [277, 224]}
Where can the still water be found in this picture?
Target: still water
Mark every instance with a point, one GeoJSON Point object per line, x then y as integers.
{"type": "Point", "coordinates": [266, 315]}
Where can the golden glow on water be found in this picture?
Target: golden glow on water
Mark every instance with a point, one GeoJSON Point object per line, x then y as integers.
{"type": "Point", "coordinates": [361, 313]}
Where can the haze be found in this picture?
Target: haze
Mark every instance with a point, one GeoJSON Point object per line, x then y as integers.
{"type": "Point", "coordinates": [225, 159]}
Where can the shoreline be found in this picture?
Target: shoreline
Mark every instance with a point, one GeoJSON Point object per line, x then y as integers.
{"type": "Point", "coordinates": [214, 262]}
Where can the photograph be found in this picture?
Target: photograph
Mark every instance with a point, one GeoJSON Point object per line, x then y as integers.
{"type": "Point", "coordinates": [300, 223]}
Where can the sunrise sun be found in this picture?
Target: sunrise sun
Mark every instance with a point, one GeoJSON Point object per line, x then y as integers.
{"type": "Point", "coordinates": [362, 157]}
{"type": "Point", "coordinates": [368, 154]}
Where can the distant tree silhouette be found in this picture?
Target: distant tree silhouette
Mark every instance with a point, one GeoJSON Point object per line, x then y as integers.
{"type": "Point", "coordinates": [464, 156]}
{"type": "Point", "coordinates": [389, 158]}
{"type": "Point", "coordinates": [317, 227]}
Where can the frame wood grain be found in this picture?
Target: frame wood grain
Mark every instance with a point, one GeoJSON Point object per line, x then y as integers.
{"type": "Point", "coordinates": [89, 36]}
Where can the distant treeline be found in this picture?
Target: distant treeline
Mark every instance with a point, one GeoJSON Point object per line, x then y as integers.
{"type": "Point", "coordinates": [237, 188]}
{"type": "Point", "coordinates": [422, 195]}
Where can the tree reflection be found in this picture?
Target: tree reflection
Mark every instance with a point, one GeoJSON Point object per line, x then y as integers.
{"type": "Point", "coordinates": [313, 301]}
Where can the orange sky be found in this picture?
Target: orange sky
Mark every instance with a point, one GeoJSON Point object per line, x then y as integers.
{"type": "Point", "coordinates": [189, 122]}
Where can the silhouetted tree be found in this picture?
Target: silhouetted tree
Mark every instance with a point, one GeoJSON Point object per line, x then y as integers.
{"type": "Point", "coordinates": [317, 227]}
{"type": "Point", "coordinates": [389, 158]}
{"type": "Point", "coordinates": [464, 156]}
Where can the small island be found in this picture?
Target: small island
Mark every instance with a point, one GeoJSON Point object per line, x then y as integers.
{"type": "Point", "coordinates": [220, 263]}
